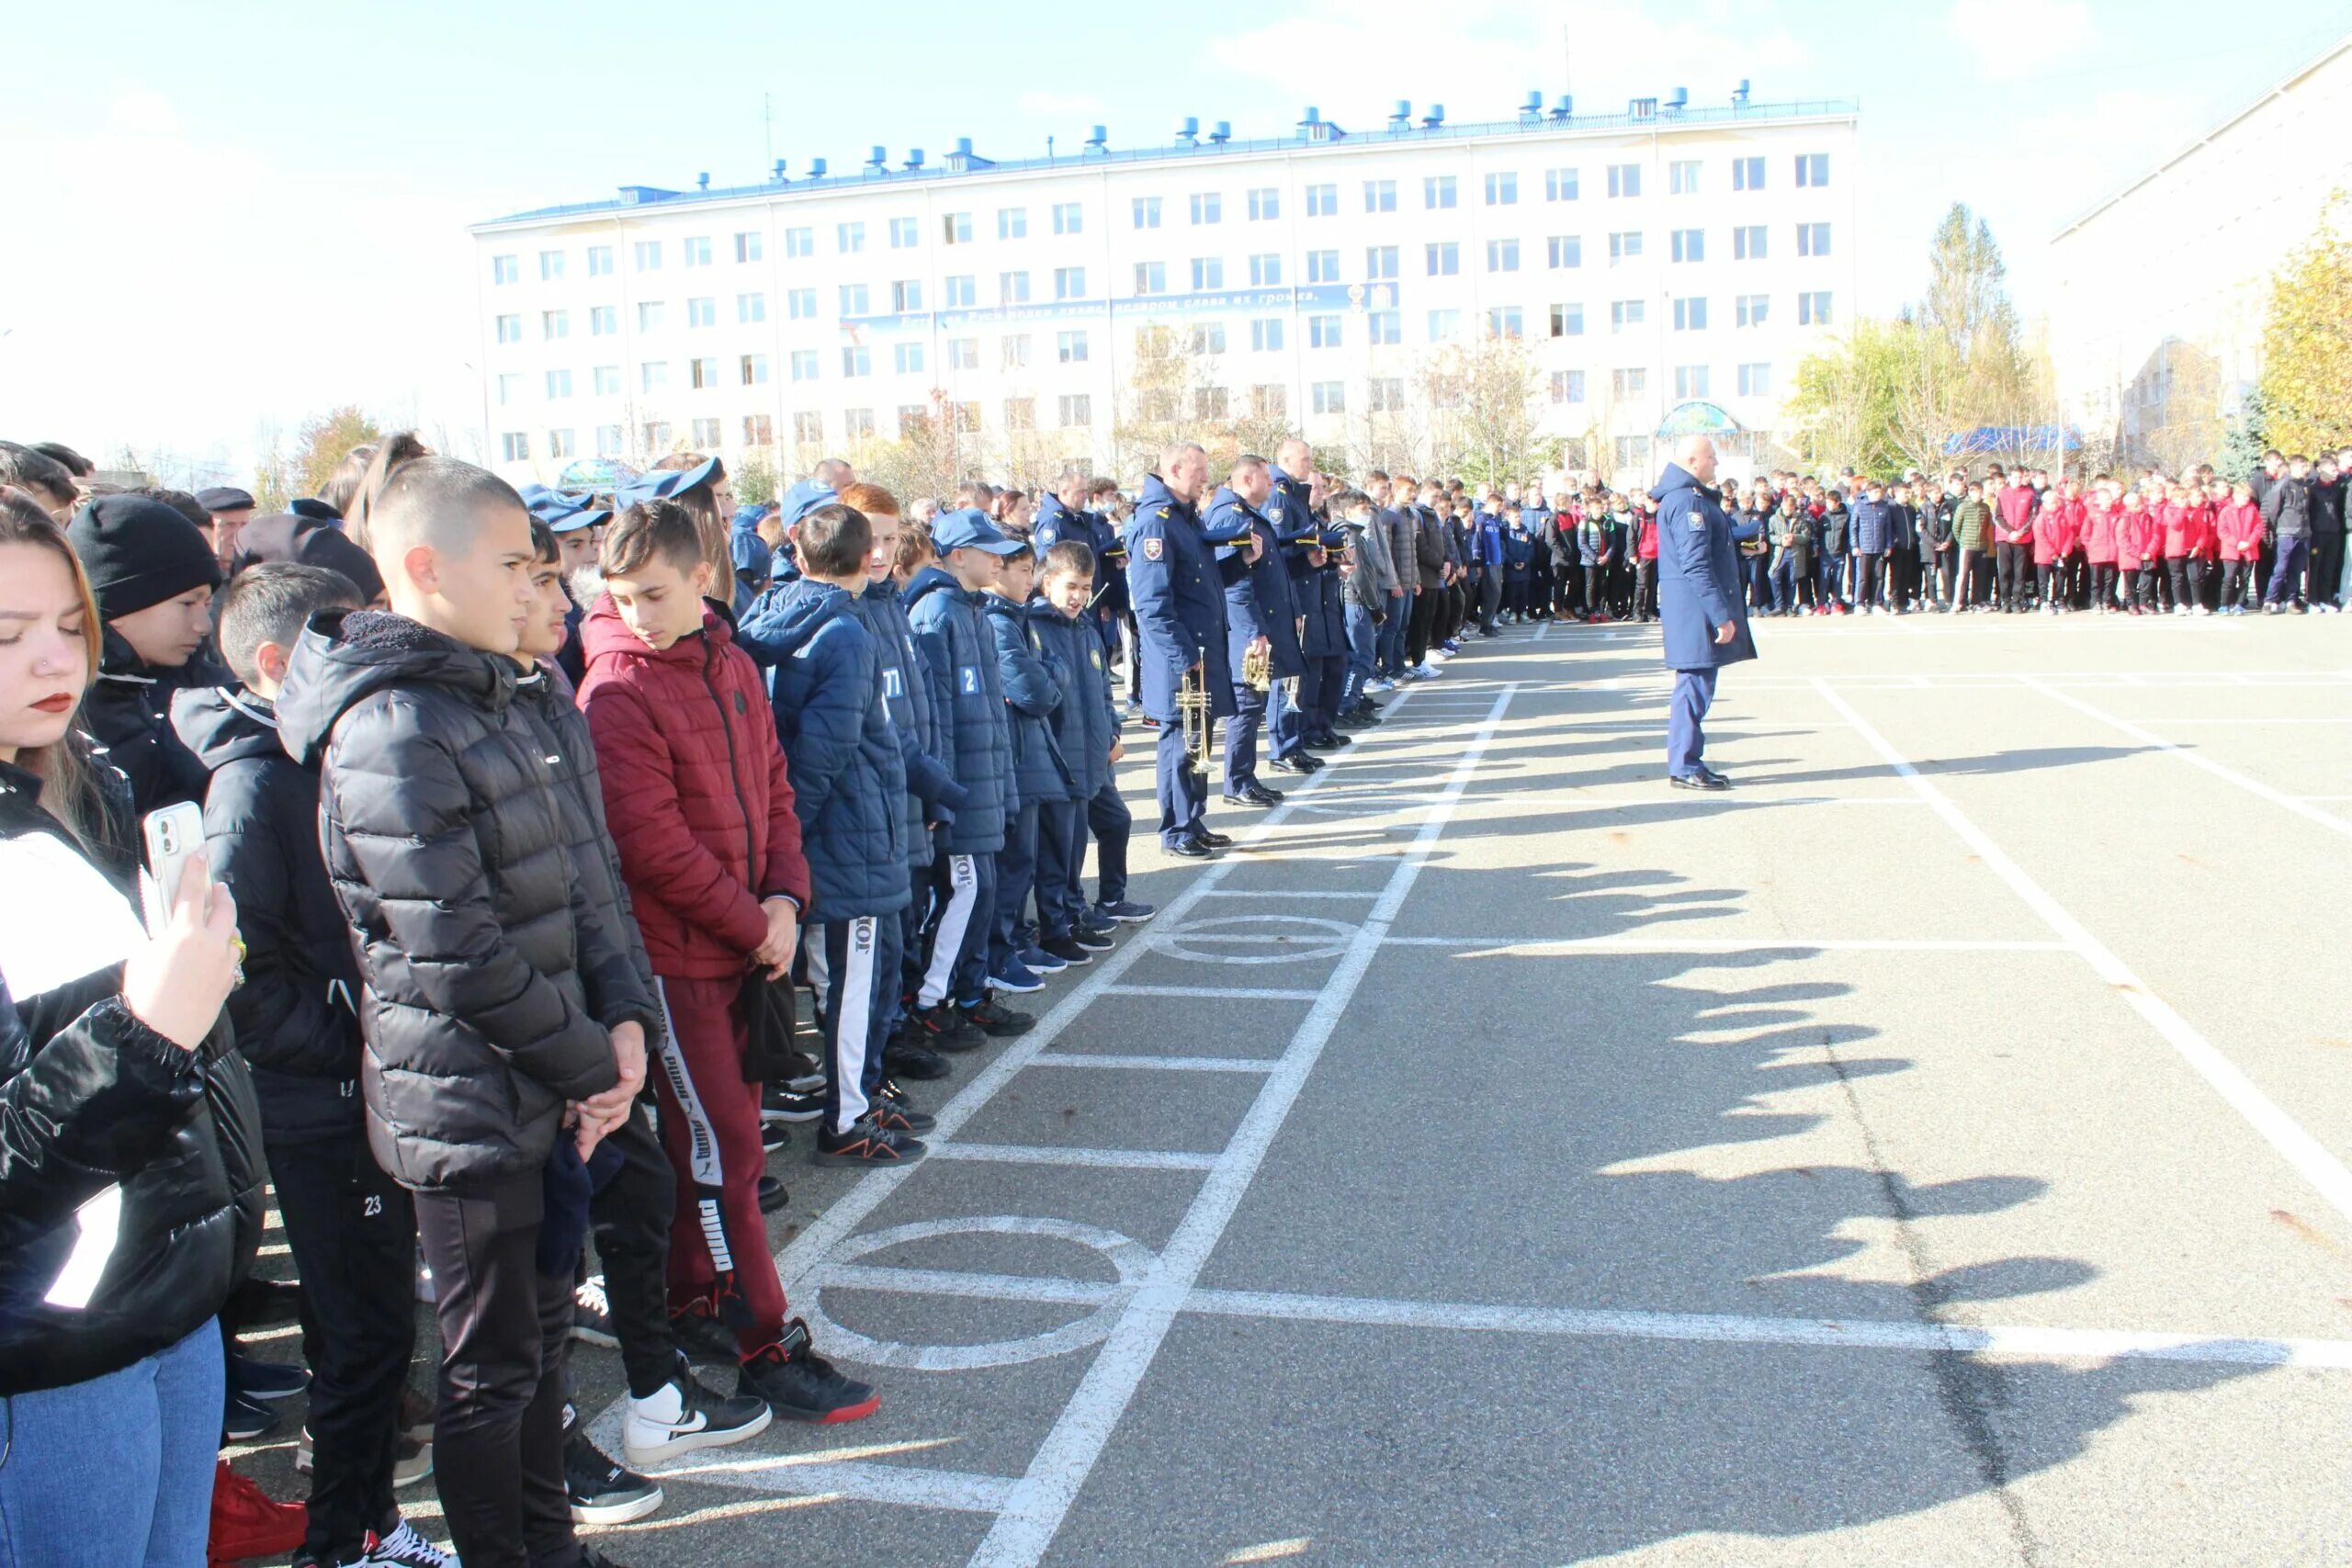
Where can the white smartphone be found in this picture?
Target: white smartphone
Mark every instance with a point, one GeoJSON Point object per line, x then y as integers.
{"type": "Point", "coordinates": [173, 834]}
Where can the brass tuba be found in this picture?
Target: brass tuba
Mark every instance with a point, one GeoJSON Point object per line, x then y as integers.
{"type": "Point", "coordinates": [1192, 710]}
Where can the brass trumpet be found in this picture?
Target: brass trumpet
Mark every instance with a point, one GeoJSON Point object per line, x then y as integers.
{"type": "Point", "coordinates": [1258, 668]}
{"type": "Point", "coordinates": [1192, 710]}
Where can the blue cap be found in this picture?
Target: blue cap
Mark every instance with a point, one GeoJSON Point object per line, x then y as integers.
{"type": "Point", "coordinates": [1330, 539]}
{"type": "Point", "coordinates": [969, 529]}
{"type": "Point", "coordinates": [585, 517]}
{"type": "Point", "coordinates": [802, 498]}
{"type": "Point", "coordinates": [662, 484]}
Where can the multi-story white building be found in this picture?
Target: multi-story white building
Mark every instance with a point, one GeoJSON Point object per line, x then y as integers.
{"type": "Point", "coordinates": [1661, 256]}
{"type": "Point", "coordinates": [2161, 290]}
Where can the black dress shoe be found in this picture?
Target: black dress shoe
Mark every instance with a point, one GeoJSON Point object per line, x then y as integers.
{"type": "Point", "coordinates": [1301, 764]}
{"type": "Point", "coordinates": [1252, 794]}
{"type": "Point", "coordinates": [1187, 849]}
{"type": "Point", "coordinates": [1215, 840]}
{"type": "Point", "coordinates": [1698, 780]}
{"type": "Point", "coordinates": [1714, 777]}
{"type": "Point", "coordinates": [1259, 794]}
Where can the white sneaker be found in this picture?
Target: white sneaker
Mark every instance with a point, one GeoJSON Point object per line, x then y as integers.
{"type": "Point", "coordinates": [405, 1548]}
{"type": "Point", "coordinates": [1380, 683]}
{"type": "Point", "coordinates": [683, 1416]}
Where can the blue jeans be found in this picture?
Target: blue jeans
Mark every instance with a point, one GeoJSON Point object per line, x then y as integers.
{"type": "Point", "coordinates": [2287, 570]}
{"type": "Point", "coordinates": [1392, 635]}
{"type": "Point", "coordinates": [1363, 654]}
{"type": "Point", "coordinates": [1832, 576]}
{"type": "Point", "coordinates": [1284, 730]}
{"type": "Point", "coordinates": [116, 1471]}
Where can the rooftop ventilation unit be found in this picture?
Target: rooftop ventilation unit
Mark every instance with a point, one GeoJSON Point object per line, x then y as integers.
{"type": "Point", "coordinates": [1533, 109]}
{"type": "Point", "coordinates": [816, 168]}
{"type": "Point", "coordinates": [702, 181]}
{"type": "Point", "coordinates": [914, 158]}
{"type": "Point", "coordinates": [1643, 109]}
{"type": "Point", "coordinates": [637, 195]}
{"type": "Point", "coordinates": [1677, 100]}
{"type": "Point", "coordinates": [878, 162]}
{"type": "Point", "coordinates": [964, 158]}
{"type": "Point", "coordinates": [1188, 134]}
{"type": "Point", "coordinates": [1222, 132]}
{"type": "Point", "coordinates": [1315, 127]}
{"type": "Point", "coordinates": [1739, 94]}
{"type": "Point", "coordinates": [1435, 117]}
{"type": "Point", "coordinates": [1563, 108]}
{"type": "Point", "coordinates": [1100, 141]}
{"type": "Point", "coordinates": [778, 174]}
{"type": "Point", "coordinates": [1401, 117]}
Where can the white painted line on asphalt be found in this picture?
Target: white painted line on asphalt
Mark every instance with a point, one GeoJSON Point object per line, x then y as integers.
{"type": "Point", "coordinates": [1686, 800]}
{"type": "Point", "coordinates": [1034, 1512]}
{"type": "Point", "coordinates": [1671, 943]}
{"type": "Point", "coordinates": [2306, 1154]}
{"type": "Point", "coordinates": [852, 1480]}
{"type": "Point", "coordinates": [2304, 720]}
{"type": "Point", "coordinates": [1285, 894]}
{"type": "Point", "coordinates": [2196, 759]}
{"type": "Point", "coordinates": [1153, 1064]}
{"type": "Point", "coordinates": [849, 1211]}
{"type": "Point", "coordinates": [1233, 993]}
{"type": "Point", "coordinates": [2033, 1343]}
{"type": "Point", "coordinates": [1041, 1153]}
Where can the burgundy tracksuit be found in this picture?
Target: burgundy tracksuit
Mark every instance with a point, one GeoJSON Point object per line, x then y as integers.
{"type": "Point", "coordinates": [701, 811]}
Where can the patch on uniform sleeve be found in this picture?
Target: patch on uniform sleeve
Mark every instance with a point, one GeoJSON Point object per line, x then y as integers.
{"type": "Point", "coordinates": [968, 680]}
{"type": "Point", "coordinates": [1162, 513]}
{"type": "Point", "coordinates": [1096, 655]}
{"type": "Point", "coordinates": [1151, 546]}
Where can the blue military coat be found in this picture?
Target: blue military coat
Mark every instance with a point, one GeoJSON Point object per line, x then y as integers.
{"type": "Point", "coordinates": [1261, 600]}
{"type": "Point", "coordinates": [1698, 575]}
{"type": "Point", "coordinates": [1179, 603]}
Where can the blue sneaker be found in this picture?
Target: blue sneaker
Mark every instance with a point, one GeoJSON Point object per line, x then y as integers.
{"type": "Point", "coordinates": [1039, 960]}
{"type": "Point", "coordinates": [1127, 912]}
{"type": "Point", "coordinates": [1014, 976]}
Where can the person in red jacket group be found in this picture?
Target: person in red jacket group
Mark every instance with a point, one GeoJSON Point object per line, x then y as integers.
{"type": "Point", "coordinates": [1645, 561]}
{"type": "Point", "coordinates": [2013, 510]}
{"type": "Point", "coordinates": [2237, 536]}
{"type": "Point", "coordinates": [2098, 548]}
{"type": "Point", "coordinates": [2054, 544]}
{"type": "Point", "coordinates": [702, 813]}
{"type": "Point", "coordinates": [2137, 543]}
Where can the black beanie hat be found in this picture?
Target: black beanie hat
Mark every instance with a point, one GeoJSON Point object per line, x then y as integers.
{"type": "Point", "coordinates": [138, 552]}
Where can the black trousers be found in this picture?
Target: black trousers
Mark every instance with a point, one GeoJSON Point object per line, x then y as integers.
{"type": "Point", "coordinates": [352, 1231]}
{"type": "Point", "coordinates": [2326, 568]}
{"type": "Point", "coordinates": [1867, 569]}
{"type": "Point", "coordinates": [1416, 630]}
{"type": "Point", "coordinates": [2102, 584]}
{"type": "Point", "coordinates": [630, 1218]}
{"type": "Point", "coordinates": [498, 1437]}
{"type": "Point", "coordinates": [2239, 586]}
{"type": "Point", "coordinates": [2014, 564]}
{"type": "Point", "coordinates": [1515, 596]}
{"type": "Point", "coordinates": [1645, 589]}
{"type": "Point", "coordinates": [1945, 574]}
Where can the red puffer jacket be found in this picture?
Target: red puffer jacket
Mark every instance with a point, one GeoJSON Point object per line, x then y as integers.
{"type": "Point", "coordinates": [695, 790]}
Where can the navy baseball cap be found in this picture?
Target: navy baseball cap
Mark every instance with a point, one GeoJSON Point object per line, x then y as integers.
{"type": "Point", "coordinates": [969, 529]}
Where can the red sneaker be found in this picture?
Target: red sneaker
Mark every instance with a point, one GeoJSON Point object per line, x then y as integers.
{"type": "Point", "coordinates": [245, 1523]}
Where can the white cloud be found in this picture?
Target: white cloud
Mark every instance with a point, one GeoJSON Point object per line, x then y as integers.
{"type": "Point", "coordinates": [2016, 38]}
{"type": "Point", "coordinates": [1491, 51]}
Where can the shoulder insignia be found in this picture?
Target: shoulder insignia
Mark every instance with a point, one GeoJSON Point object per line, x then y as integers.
{"type": "Point", "coordinates": [1151, 546]}
{"type": "Point", "coordinates": [1162, 513]}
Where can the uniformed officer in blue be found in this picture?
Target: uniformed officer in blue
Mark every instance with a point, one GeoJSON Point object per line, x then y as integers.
{"type": "Point", "coordinates": [1180, 626]}
{"type": "Point", "coordinates": [1700, 608]}
{"type": "Point", "coordinates": [1260, 611]}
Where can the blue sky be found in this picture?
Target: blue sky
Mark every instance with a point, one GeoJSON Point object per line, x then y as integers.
{"type": "Point", "coordinates": [242, 213]}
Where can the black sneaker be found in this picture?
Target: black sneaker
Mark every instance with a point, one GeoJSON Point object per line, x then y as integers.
{"type": "Point", "coordinates": [779, 1104]}
{"type": "Point", "coordinates": [774, 1135]}
{"type": "Point", "coordinates": [698, 1330]}
{"type": "Point", "coordinates": [891, 1102]}
{"type": "Point", "coordinates": [406, 1546]}
{"type": "Point", "coordinates": [801, 1385]}
{"type": "Point", "coordinates": [592, 1313]}
{"type": "Point", "coordinates": [803, 1074]}
{"type": "Point", "coordinates": [1093, 937]}
{"type": "Point", "coordinates": [1070, 951]}
{"type": "Point", "coordinates": [772, 1195]}
{"type": "Point", "coordinates": [867, 1142]}
{"type": "Point", "coordinates": [1125, 911]}
{"type": "Point", "coordinates": [265, 1379]}
{"type": "Point", "coordinates": [943, 1028]}
{"type": "Point", "coordinates": [996, 1021]}
{"type": "Point", "coordinates": [685, 1414]}
{"type": "Point", "coordinates": [908, 1059]}
{"type": "Point", "coordinates": [603, 1492]}
{"type": "Point", "coordinates": [246, 1418]}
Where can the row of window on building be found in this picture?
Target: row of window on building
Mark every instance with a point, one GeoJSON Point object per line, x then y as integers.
{"type": "Point", "coordinates": [1382, 263]}
{"type": "Point", "coordinates": [1262, 204]}
{"type": "Point", "coordinates": [1382, 394]}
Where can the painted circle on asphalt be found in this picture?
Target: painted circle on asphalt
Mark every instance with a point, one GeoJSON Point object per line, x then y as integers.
{"type": "Point", "coordinates": [1128, 1257]}
{"type": "Point", "coordinates": [1256, 939]}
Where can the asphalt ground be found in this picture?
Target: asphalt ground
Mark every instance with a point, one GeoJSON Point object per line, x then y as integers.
{"type": "Point", "coordinates": [1931, 1152]}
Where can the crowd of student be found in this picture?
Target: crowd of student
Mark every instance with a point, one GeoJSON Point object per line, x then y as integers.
{"type": "Point", "coordinates": [527, 816]}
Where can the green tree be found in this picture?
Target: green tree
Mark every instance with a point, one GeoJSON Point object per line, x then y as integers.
{"type": "Point", "coordinates": [319, 445]}
{"type": "Point", "coordinates": [2307, 340]}
{"type": "Point", "coordinates": [754, 482]}
{"type": "Point", "coordinates": [2244, 437]}
{"type": "Point", "coordinates": [1846, 396]}
{"type": "Point", "coordinates": [1483, 415]}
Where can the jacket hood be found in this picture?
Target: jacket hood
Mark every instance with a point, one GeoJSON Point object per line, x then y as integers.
{"type": "Point", "coordinates": [223, 726]}
{"type": "Point", "coordinates": [1677, 478]}
{"type": "Point", "coordinates": [344, 655]}
{"type": "Point", "coordinates": [791, 614]}
{"type": "Point", "coordinates": [930, 580]}
{"type": "Point", "coordinates": [1043, 612]}
{"type": "Point", "coordinates": [604, 636]}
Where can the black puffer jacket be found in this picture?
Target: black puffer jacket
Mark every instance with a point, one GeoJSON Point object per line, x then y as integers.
{"type": "Point", "coordinates": [297, 1015]}
{"type": "Point", "coordinates": [492, 979]}
{"type": "Point", "coordinates": [128, 712]}
{"type": "Point", "coordinates": [157, 1147]}
{"type": "Point", "coordinates": [546, 702]}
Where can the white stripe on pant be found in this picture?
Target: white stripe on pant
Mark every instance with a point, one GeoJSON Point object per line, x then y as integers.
{"type": "Point", "coordinates": [846, 1015]}
{"type": "Point", "coordinates": [709, 1177]}
{"type": "Point", "coordinates": [947, 939]}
